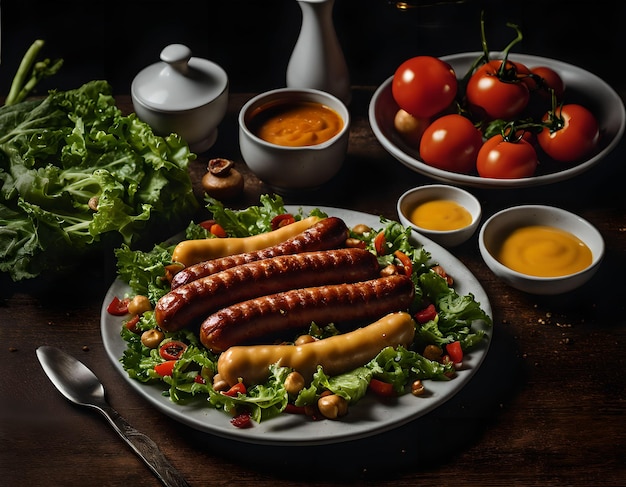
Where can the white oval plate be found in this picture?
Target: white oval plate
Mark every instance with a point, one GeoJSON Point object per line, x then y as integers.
{"type": "Point", "coordinates": [581, 87]}
{"type": "Point", "coordinates": [369, 417]}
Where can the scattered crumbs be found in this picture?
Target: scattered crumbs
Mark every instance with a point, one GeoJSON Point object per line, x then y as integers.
{"type": "Point", "coordinates": [622, 229]}
{"type": "Point", "coordinates": [85, 348]}
{"type": "Point", "coordinates": [50, 323]}
{"type": "Point", "coordinates": [12, 349]}
{"type": "Point", "coordinates": [548, 314]}
{"type": "Point", "coordinates": [524, 355]}
{"type": "Point", "coordinates": [505, 321]}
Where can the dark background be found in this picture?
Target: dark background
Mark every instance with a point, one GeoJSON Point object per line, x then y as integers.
{"type": "Point", "coordinates": [253, 39]}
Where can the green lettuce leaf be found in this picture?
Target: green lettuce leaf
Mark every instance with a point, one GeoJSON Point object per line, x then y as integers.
{"type": "Point", "coordinates": [77, 176]}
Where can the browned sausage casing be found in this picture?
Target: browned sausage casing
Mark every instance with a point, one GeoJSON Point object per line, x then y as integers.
{"type": "Point", "coordinates": [329, 233]}
{"type": "Point", "coordinates": [250, 320]}
{"type": "Point", "coordinates": [197, 299]}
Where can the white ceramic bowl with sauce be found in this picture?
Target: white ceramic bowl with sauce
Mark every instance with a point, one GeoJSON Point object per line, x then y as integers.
{"type": "Point", "coordinates": [441, 194]}
{"type": "Point", "coordinates": [499, 226]}
{"type": "Point", "coordinates": [182, 94]}
{"type": "Point", "coordinates": [287, 168]}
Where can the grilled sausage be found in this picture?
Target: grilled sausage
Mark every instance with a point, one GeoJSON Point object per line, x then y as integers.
{"type": "Point", "coordinates": [243, 322]}
{"type": "Point", "coordinates": [329, 233]}
{"type": "Point", "coordinates": [197, 299]}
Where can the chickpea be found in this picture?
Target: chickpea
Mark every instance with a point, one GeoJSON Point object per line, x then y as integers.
{"type": "Point", "coordinates": [332, 406]}
{"type": "Point", "coordinates": [417, 388]}
{"type": "Point", "coordinates": [361, 229]}
{"type": "Point", "coordinates": [304, 339]}
{"type": "Point", "coordinates": [152, 338]}
{"type": "Point", "coordinates": [139, 305]}
{"type": "Point", "coordinates": [388, 270]}
{"type": "Point", "coordinates": [432, 352]}
{"type": "Point", "coordinates": [355, 243]}
{"type": "Point", "coordinates": [294, 383]}
{"type": "Point", "coordinates": [220, 384]}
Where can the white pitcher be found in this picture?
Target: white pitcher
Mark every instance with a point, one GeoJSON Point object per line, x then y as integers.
{"type": "Point", "coordinates": [317, 60]}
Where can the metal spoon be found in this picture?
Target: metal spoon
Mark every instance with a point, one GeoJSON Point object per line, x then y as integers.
{"type": "Point", "coordinates": [79, 384]}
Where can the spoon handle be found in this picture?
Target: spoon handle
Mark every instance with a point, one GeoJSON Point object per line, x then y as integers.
{"type": "Point", "coordinates": [145, 448]}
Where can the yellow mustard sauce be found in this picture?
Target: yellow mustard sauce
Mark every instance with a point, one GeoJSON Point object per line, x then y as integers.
{"type": "Point", "coordinates": [296, 124]}
{"type": "Point", "coordinates": [440, 215]}
{"type": "Point", "coordinates": [544, 251]}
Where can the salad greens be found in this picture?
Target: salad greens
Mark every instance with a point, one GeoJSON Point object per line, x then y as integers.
{"type": "Point", "coordinates": [75, 173]}
{"type": "Point", "coordinates": [192, 374]}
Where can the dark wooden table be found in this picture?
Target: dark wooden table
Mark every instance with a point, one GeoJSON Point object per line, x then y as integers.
{"type": "Point", "coordinates": [545, 408]}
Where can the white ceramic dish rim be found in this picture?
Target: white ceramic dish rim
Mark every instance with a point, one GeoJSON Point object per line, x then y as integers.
{"type": "Point", "coordinates": [570, 74]}
{"type": "Point", "coordinates": [597, 255]}
{"type": "Point", "coordinates": [368, 418]}
{"type": "Point", "coordinates": [475, 211]}
{"type": "Point", "coordinates": [289, 94]}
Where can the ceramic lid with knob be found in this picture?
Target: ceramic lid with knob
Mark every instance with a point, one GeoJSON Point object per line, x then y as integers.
{"type": "Point", "coordinates": [179, 81]}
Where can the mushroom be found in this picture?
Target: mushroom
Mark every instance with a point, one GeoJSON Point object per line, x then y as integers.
{"type": "Point", "coordinates": [222, 181]}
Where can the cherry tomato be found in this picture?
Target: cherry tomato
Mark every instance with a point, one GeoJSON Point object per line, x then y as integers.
{"type": "Point", "coordinates": [380, 244]}
{"type": "Point", "coordinates": [549, 79]}
{"type": "Point", "coordinates": [293, 409]}
{"type": "Point", "coordinates": [213, 227]}
{"type": "Point", "coordinates": [427, 314]}
{"type": "Point", "coordinates": [455, 352]}
{"type": "Point", "coordinates": [501, 159]}
{"type": "Point", "coordinates": [424, 86]}
{"type": "Point", "coordinates": [572, 135]}
{"type": "Point", "coordinates": [172, 350]}
{"type": "Point", "coordinates": [217, 230]}
{"type": "Point", "coordinates": [242, 420]}
{"type": "Point", "coordinates": [207, 224]}
{"type": "Point", "coordinates": [405, 261]}
{"type": "Point", "coordinates": [131, 324]}
{"type": "Point", "coordinates": [165, 368]}
{"type": "Point", "coordinates": [382, 389]}
{"type": "Point", "coordinates": [410, 128]}
{"type": "Point", "coordinates": [451, 143]}
{"type": "Point", "coordinates": [238, 388]}
{"type": "Point", "coordinates": [492, 96]}
{"type": "Point", "coordinates": [282, 220]}
{"type": "Point", "coordinates": [118, 307]}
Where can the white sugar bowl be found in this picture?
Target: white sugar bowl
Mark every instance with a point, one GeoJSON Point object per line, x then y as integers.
{"type": "Point", "coordinates": [182, 94]}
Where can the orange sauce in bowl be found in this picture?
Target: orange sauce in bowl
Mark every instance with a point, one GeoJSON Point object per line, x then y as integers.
{"type": "Point", "coordinates": [440, 215]}
{"type": "Point", "coordinates": [544, 251]}
{"type": "Point", "coordinates": [296, 124]}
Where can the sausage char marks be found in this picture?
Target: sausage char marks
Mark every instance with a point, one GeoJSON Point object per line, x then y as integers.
{"type": "Point", "coordinates": [250, 320]}
{"type": "Point", "coordinates": [197, 299]}
{"type": "Point", "coordinates": [329, 233]}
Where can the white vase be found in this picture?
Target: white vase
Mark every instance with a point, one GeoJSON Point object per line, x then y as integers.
{"type": "Point", "coordinates": [317, 60]}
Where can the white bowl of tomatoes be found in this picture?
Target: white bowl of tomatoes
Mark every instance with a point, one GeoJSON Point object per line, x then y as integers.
{"type": "Point", "coordinates": [435, 133]}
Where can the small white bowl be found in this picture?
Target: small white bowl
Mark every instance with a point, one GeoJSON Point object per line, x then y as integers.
{"type": "Point", "coordinates": [183, 95]}
{"type": "Point", "coordinates": [421, 194]}
{"type": "Point", "coordinates": [501, 224]}
{"type": "Point", "coordinates": [286, 168]}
